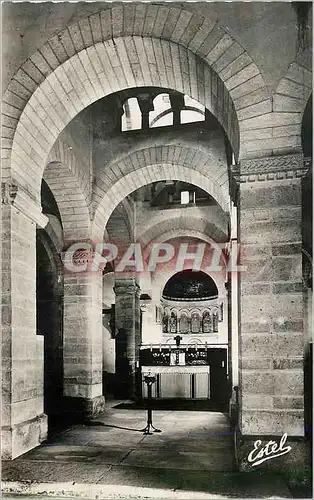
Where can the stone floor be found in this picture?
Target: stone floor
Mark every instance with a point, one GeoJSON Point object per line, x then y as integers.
{"type": "Point", "coordinates": [111, 458]}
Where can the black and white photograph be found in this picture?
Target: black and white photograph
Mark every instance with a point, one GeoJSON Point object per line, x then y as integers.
{"type": "Point", "coordinates": [156, 250]}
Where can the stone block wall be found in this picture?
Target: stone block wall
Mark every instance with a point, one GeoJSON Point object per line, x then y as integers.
{"type": "Point", "coordinates": [24, 424]}
{"type": "Point", "coordinates": [271, 297]}
{"type": "Point", "coordinates": [82, 342]}
{"type": "Point", "coordinates": [128, 333]}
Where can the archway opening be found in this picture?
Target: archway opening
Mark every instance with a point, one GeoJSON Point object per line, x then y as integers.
{"type": "Point", "coordinates": [145, 212]}
{"type": "Point", "coordinates": [190, 350]}
{"type": "Point", "coordinates": [49, 300]}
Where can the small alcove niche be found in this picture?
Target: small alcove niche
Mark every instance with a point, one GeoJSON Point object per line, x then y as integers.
{"type": "Point", "coordinates": [190, 304]}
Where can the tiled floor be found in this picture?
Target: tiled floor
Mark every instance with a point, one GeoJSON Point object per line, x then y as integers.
{"type": "Point", "coordinates": [192, 453]}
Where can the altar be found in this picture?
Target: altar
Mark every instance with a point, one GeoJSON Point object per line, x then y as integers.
{"type": "Point", "coordinates": [185, 372]}
{"type": "Point", "coordinates": [184, 382]}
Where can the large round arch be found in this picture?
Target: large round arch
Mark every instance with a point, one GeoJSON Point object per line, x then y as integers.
{"type": "Point", "coordinates": [215, 227]}
{"type": "Point", "coordinates": [174, 41]}
{"type": "Point", "coordinates": [125, 185]}
{"type": "Point", "coordinates": [97, 72]}
{"type": "Point", "coordinates": [52, 86]}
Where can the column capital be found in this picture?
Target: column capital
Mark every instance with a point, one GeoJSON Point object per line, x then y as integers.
{"type": "Point", "coordinates": [14, 195]}
{"type": "Point", "coordinates": [127, 286]}
{"type": "Point", "coordinates": [145, 101]}
{"type": "Point", "coordinates": [271, 168]}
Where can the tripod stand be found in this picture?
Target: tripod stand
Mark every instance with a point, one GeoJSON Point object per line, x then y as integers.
{"type": "Point", "coordinates": [149, 380]}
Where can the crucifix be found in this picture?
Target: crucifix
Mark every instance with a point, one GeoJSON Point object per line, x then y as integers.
{"type": "Point", "coordinates": [177, 338]}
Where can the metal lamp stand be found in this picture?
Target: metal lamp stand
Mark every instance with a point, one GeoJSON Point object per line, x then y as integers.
{"type": "Point", "coordinates": [149, 380]}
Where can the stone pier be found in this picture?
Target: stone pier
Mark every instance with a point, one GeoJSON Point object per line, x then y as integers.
{"type": "Point", "coordinates": [24, 424]}
{"type": "Point", "coordinates": [82, 353]}
{"type": "Point", "coordinates": [271, 347]}
{"type": "Point", "coordinates": [128, 334]}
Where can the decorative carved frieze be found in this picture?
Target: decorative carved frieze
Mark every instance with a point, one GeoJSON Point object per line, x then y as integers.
{"type": "Point", "coordinates": [77, 258]}
{"type": "Point", "coordinates": [271, 168]}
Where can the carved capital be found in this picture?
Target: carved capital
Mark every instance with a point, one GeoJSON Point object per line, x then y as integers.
{"type": "Point", "coordinates": [16, 196]}
{"type": "Point", "coordinates": [8, 193]}
{"type": "Point", "coordinates": [127, 286]}
{"type": "Point", "coordinates": [271, 168]}
{"type": "Point", "coordinates": [145, 101]}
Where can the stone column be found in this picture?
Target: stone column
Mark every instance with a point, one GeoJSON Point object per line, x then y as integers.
{"type": "Point", "coordinates": [128, 334]}
{"type": "Point", "coordinates": [177, 103]}
{"type": "Point", "coordinates": [24, 424]}
{"type": "Point", "coordinates": [145, 101]}
{"type": "Point", "coordinates": [82, 344]}
{"type": "Point", "coordinates": [271, 329]}
{"type": "Point", "coordinates": [233, 302]}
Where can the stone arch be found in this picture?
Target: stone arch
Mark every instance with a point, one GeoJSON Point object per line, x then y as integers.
{"type": "Point", "coordinates": [307, 129]}
{"type": "Point", "coordinates": [291, 97]}
{"type": "Point", "coordinates": [176, 233]}
{"type": "Point", "coordinates": [119, 226]}
{"type": "Point", "coordinates": [186, 225]}
{"type": "Point", "coordinates": [49, 317]}
{"type": "Point", "coordinates": [70, 199]}
{"type": "Point", "coordinates": [275, 128]}
{"type": "Point", "coordinates": [98, 71]}
{"type": "Point", "coordinates": [123, 185]}
{"type": "Point", "coordinates": [169, 31]}
{"type": "Point", "coordinates": [293, 90]}
{"type": "Point", "coordinates": [64, 153]}
{"type": "Point", "coordinates": [192, 228]}
{"type": "Point", "coordinates": [204, 161]}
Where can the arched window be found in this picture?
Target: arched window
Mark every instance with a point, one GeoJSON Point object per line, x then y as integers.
{"type": "Point", "coordinates": [195, 323]}
{"type": "Point", "coordinates": [207, 322]}
{"type": "Point", "coordinates": [162, 116]}
{"type": "Point", "coordinates": [215, 320]}
{"type": "Point", "coordinates": [165, 320]}
{"type": "Point", "coordinates": [168, 110]}
{"type": "Point", "coordinates": [173, 322]}
{"type": "Point", "coordinates": [132, 116]}
{"type": "Point", "coordinates": [193, 111]}
{"type": "Point", "coordinates": [184, 323]}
